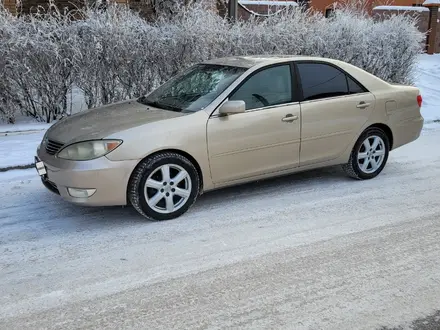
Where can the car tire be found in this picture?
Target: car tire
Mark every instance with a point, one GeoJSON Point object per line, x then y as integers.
{"type": "Point", "coordinates": [366, 163]}
{"type": "Point", "coordinates": [151, 190]}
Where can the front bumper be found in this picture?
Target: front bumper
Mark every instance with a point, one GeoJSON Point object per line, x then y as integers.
{"type": "Point", "coordinates": [109, 178]}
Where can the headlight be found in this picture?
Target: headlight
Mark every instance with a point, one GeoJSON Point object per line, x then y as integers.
{"type": "Point", "coordinates": [44, 140]}
{"type": "Point", "coordinates": [89, 149]}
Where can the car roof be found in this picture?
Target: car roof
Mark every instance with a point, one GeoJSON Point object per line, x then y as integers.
{"type": "Point", "coordinates": [370, 81]}
{"type": "Point", "coordinates": [253, 60]}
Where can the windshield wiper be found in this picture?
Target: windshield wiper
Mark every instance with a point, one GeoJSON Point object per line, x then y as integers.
{"type": "Point", "coordinates": [159, 105]}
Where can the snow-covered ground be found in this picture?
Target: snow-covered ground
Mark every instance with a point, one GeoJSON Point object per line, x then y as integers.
{"type": "Point", "coordinates": [309, 251]}
{"type": "Point", "coordinates": [315, 250]}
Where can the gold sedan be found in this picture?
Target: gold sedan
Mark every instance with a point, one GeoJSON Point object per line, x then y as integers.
{"type": "Point", "coordinates": [225, 122]}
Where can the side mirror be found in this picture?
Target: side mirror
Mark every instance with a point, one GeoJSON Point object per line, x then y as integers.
{"type": "Point", "coordinates": [230, 107]}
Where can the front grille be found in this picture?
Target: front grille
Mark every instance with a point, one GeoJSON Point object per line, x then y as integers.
{"type": "Point", "coordinates": [52, 147]}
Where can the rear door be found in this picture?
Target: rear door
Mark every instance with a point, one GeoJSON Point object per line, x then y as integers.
{"type": "Point", "coordinates": [334, 107]}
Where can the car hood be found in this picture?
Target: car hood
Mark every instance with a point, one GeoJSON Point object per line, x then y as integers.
{"type": "Point", "coordinates": [106, 120]}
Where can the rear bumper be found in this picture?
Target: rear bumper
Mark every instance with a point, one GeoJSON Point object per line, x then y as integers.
{"type": "Point", "coordinates": [108, 178]}
{"type": "Point", "coordinates": [407, 131]}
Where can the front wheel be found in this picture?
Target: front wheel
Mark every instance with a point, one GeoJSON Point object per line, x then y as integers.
{"type": "Point", "coordinates": [369, 155]}
{"type": "Point", "coordinates": [164, 186]}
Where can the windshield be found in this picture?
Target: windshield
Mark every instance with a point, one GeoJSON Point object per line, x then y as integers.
{"type": "Point", "coordinates": [194, 89]}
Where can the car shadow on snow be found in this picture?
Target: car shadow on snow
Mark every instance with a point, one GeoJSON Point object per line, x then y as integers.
{"type": "Point", "coordinates": [286, 183]}
{"type": "Point", "coordinates": [430, 322]}
{"type": "Point", "coordinates": [55, 208]}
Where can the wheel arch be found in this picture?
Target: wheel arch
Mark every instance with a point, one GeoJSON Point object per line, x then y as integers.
{"type": "Point", "coordinates": [352, 166]}
{"type": "Point", "coordinates": [387, 131]}
{"type": "Point", "coordinates": [177, 151]}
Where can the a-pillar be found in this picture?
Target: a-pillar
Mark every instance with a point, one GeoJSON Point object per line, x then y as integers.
{"type": "Point", "coordinates": [433, 6]}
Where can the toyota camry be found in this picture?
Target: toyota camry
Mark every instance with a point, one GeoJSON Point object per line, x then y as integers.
{"type": "Point", "coordinates": [226, 122]}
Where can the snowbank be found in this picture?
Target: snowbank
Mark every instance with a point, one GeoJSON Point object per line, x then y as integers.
{"type": "Point", "coordinates": [19, 150]}
{"type": "Point", "coordinates": [431, 2]}
{"type": "Point", "coordinates": [401, 8]}
{"type": "Point", "coordinates": [428, 80]}
{"type": "Point", "coordinates": [268, 3]}
{"type": "Point", "coordinates": [22, 127]}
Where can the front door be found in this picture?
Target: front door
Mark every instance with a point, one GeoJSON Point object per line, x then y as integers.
{"type": "Point", "coordinates": [265, 138]}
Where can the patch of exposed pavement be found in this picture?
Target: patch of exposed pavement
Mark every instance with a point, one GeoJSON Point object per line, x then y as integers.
{"type": "Point", "coordinates": [430, 322]}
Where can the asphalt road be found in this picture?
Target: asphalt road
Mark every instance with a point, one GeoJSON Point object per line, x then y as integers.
{"type": "Point", "coordinates": [309, 251]}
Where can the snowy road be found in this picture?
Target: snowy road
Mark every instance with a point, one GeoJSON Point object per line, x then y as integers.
{"type": "Point", "coordinates": [309, 251]}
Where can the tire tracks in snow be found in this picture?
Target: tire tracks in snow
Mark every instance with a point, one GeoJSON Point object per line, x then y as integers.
{"type": "Point", "coordinates": [312, 250]}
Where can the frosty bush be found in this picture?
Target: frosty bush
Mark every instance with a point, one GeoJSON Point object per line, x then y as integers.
{"type": "Point", "coordinates": [114, 54]}
{"type": "Point", "coordinates": [37, 62]}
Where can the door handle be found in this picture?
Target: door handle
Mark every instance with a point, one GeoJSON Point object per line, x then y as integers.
{"type": "Point", "coordinates": [362, 105]}
{"type": "Point", "coordinates": [289, 118]}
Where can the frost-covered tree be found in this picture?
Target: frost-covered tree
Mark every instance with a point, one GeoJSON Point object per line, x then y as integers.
{"type": "Point", "coordinates": [114, 54]}
{"type": "Point", "coordinates": [37, 56]}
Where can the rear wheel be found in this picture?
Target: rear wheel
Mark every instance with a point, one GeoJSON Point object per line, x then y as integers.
{"type": "Point", "coordinates": [164, 186]}
{"type": "Point", "coordinates": [369, 155]}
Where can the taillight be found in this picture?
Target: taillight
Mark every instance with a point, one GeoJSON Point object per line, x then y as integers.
{"type": "Point", "coordinates": [419, 100]}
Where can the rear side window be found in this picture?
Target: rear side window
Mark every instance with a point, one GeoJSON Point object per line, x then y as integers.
{"type": "Point", "coordinates": [354, 87]}
{"type": "Point", "coordinates": [321, 80]}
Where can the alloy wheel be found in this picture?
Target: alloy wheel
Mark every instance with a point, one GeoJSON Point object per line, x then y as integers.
{"type": "Point", "coordinates": [371, 154]}
{"type": "Point", "coordinates": [167, 188]}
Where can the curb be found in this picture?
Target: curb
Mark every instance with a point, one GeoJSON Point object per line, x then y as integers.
{"type": "Point", "coordinates": [16, 167]}
{"type": "Point", "coordinates": [25, 132]}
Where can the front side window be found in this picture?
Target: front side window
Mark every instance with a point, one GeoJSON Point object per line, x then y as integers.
{"type": "Point", "coordinates": [268, 87]}
{"type": "Point", "coordinates": [194, 89]}
{"type": "Point", "coordinates": [321, 81]}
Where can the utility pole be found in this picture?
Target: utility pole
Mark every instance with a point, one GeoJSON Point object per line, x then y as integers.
{"type": "Point", "coordinates": [232, 10]}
